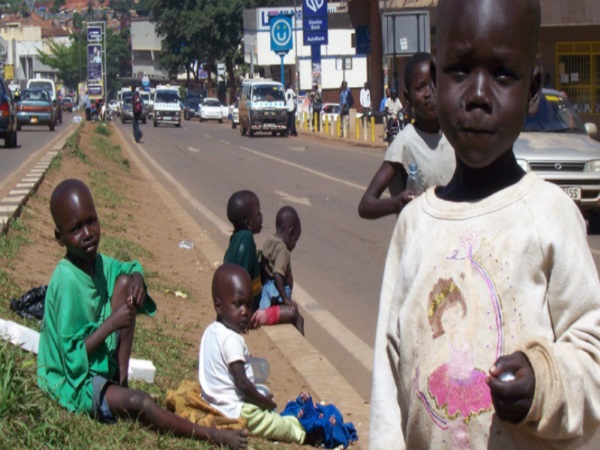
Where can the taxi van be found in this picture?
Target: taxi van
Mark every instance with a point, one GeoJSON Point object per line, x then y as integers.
{"type": "Point", "coordinates": [262, 107]}
{"type": "Point", "coordinates": [167, 106]}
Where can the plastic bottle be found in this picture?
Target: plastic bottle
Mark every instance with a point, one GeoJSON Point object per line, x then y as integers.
{"type": "Point", "coordinates": [414, 184]}
{"type": "Point", "coordinates": [261, 369]}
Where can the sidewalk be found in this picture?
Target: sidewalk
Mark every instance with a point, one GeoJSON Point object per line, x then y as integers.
{"type": "Point", "coordinates": [325, 382]}
{"type": "Point", "coordinates": [377, 144]}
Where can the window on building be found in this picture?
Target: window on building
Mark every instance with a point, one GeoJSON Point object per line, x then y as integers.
{"type": "Point", "coordinates": [578, 74]}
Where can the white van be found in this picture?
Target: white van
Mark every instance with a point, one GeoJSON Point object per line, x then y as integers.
{"type": "Point", "coordinates": [167, 106]}
{"type": "Point", "coordinates": [43, 83]}
{"type": "Point", "coordinates": [262, 107]}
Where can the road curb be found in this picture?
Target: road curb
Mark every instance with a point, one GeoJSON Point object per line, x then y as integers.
{"type": "Point", "coordinates": [378, 145]}
{"type": "Point", "coordinates": [10, 206]}
{"type": "Point", "coordinates": [325, 382]}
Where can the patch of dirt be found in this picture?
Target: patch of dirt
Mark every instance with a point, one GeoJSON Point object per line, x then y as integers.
{"type": "Point", "coordinates": [142, 218]}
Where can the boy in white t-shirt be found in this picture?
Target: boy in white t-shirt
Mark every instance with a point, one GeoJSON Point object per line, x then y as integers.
{"type": "Point", "coordinates": [225, 374]}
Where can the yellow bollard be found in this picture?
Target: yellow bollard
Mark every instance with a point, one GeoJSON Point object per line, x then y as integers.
{"type": "Point", "coordinates": [339, 125]}
{"type": "Point", "coordinates": [357, 127]}
{"type": "Point", "coordinates": [316, 126]}
{"type": "Point", "coordinates": [326, 120]}
{"type": "Point", "coordinates": [305, 121]}
{"type": "Point", "coordinates": [373, 130]}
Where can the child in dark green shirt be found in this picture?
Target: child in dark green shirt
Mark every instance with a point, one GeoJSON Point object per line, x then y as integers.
{"type": "Point", "coordinates": [243, 211]}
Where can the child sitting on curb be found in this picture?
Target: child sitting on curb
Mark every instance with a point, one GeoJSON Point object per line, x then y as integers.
{"type": "Point", "coordinates": [88, 327]}
{"type": "Point", "coordinates": [225, 373]}
{"type": "Point", "coordinates": [276, 304]}
{"type": "Point", "coordinates": [243, 211]}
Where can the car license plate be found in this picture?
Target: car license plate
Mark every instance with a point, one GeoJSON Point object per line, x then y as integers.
{"type": "Point", "coordinates": [34, 119]}
{"type": "Point", "coordinates": [573, 191]}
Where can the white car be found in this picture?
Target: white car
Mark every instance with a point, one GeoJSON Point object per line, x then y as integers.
{"type": "Point", "coordinates": [210, 109]}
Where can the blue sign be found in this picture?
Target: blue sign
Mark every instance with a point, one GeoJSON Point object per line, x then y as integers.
{"type": "Point", "coordinates": [314, 22]}
{"type": "Point", "coordinates": [94, 34]}
{"type": "Point", "coordinates": [281, 34]}
{"type": "Point", "coordinates": [363, 39]}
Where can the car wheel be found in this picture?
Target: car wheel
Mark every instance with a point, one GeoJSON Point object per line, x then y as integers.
{"type": "Point", "coordinates": [250, 132]}
{"type": "Point", "coordinates": [14, 142]}
{"type": "Point", "coordinates": [220, 120]}
{"type": "Point", "coordinates": [19, 127]}
{"type": "Point", "coordinates": [273, 133]}
{"type": "Point", "coordinates": [122, 119]}
{"type": "Point", "coordinates": [9, 140]}
{"type": "Point", "coordinates": [233, 125]}
{"type": "Point", "coordinates": [155, 124]}
{"type": "Point", "coordinates": [144, 121]}
{"type": "Point", "coordinates": [177, 125]}
{"type": "Point", "coordinates": [52, 126]}
{"type": "Point", "coordinates": [282, 133]}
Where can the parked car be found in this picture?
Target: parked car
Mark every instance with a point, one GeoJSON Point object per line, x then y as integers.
{"type": "Point", "coordinates": [35, 107]}
{"type": "Point", "coordinates": [235, 114]}
{"type": "Point", "coordinates": [8, 116]}
{"type": "Point", "coordinates": [210, 109]}
{"type": "Point", "coordinates": [191, 106]}
{"type": "Point", "coordinates": [558, 146]}
{"type": "Point", "coordinates": [330, 113]}
{"type": "Point", "coordinates": [67, 104]}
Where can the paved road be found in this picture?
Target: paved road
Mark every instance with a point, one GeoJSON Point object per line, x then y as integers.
{"type": "Point", "coordinates": [339, 258]}
{"type": "Point", "coordinates": [14, 162]}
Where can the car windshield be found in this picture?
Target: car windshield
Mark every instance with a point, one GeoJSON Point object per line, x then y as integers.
{"type": "Point", "coordinates": [167, 97]}
{"type": "Point", "coordinates": [331, 109]}
{"type": "Point", "coordinates": [40, 85]}
{"type": "Point", "coordinates": [38, 96]}
{"type": "Point", "coordinates": [268, 94]}
{"type": "Point", "coordinates": [210, 102]}
{"type": "Point", "coordinates": [67, 99]}
{"type": "Point", "coordinates": [555, 114]}
{"type": "Point", "coordinates": [127, 99]}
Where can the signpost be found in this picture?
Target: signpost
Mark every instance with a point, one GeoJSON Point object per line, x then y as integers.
{"type": "Point", "coordinates": [280, 27]}
{"type": "Point", "coordinates": [96, 59]}
{"type": "Point", "coordinates": [314, 30]}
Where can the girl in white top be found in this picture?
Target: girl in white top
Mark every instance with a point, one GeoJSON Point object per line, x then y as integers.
{"type": "Point", "coordinates": [422, 143]}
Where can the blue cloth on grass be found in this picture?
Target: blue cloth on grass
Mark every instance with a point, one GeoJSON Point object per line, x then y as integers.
{"type": "Point", "coordinates": [327, 418]}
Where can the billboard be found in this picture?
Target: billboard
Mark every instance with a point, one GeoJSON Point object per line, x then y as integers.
{"type": "Point", "coordinates": [94, 58]}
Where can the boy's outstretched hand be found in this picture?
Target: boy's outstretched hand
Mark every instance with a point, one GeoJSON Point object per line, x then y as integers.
{"type": "Point", "coordinates": [512, 385]}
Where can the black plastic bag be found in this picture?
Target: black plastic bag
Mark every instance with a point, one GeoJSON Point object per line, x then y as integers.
{"type": "Point", "coordinates": [31, 305]}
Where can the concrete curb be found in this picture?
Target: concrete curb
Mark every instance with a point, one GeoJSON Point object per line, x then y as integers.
{"type": "Point", "coordinates": [325, 381]}
{"type": "Point", "coordinates": [377, 145]}
{"type": "Point", "coordinates": [10, 206]}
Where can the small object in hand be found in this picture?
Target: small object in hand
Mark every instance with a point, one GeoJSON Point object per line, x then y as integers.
{"type": "Point", "coordinates": [506, 376]}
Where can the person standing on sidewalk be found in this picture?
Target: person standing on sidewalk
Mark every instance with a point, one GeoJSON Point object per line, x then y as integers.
{"type": "Point", "coordinates": [137, 106]}
{"type": "Point", "coordinates": [365, 100]}
{"type": "Point", "coordinates": [346, 102]}
{"type": "Point", "coordinates": [290, 102]}
{"type": "Point", "coordinates": [317, 105]}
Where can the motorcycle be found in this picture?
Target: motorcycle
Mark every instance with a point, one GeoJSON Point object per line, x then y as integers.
{"type": "Point", "coordinates": [395, 123]}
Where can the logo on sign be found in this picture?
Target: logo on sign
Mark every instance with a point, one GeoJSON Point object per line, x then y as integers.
{"type": "Point", "coordinates": [281, 33]}
{"type": "Point", "coordinates": [315, 5]}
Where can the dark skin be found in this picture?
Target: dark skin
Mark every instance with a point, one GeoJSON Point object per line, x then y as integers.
{"type": "Point", "coordinates": [487, 84]}
{"type": "Point", "coordinates": [78, 229]}
{"type": "Point", "coordinates": [232, 297]}
{"type": "Point", "coordinates": [289, 231]}
{"type": "Point", "coordinates": [422, 100]}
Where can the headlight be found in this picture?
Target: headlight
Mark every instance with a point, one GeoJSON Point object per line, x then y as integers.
{"type": "Point", "coordinates": [524, 165]}
{"type": "Point", "coordinates": [592, 166]}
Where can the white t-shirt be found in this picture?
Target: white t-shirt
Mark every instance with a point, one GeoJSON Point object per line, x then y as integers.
{"type": "Point", "coordinates": [466, 282]}
{"type": "Point", "coordinates": [220, 347]}
{"type": "Point", "coordinates": [431, 152]}
{"type": "Point", "coordinates": [290, 99]}
{"type": "Point", "coordinates": [393, 106]}
{"type": "Point", "coordinates": [365, 98]}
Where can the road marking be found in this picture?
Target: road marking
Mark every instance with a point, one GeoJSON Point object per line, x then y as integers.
{"type": "Point", "coordinates": [209, 136]}
{"type": "Point", "coordinates": [290, 198]}
{"type": "Point", "coordinates": [306, 169]}
{"type": "Point", "coordinates": [224, 141]}
{"type": "Point", "coordinates": [327, 321]}
{"type": "Point", "coordinates": [192, 149]}
{"type": "Point", "coordinates": [298, 149]}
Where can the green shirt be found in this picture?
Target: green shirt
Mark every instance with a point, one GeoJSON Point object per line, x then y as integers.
{"type": "Point", "coordinates": [76, 305]}
{"type": "Point", "coordinates": [242, 251]}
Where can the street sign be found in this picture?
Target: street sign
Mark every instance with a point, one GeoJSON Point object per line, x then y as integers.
{"type": "Point", "coordinates": [281, 34]}
{"type": "Point", "coordinates": [314, 22]}
{"type": "Point", "coordinates": [94, 34]}
{"type": "Point", "coordinates": [363, 39]}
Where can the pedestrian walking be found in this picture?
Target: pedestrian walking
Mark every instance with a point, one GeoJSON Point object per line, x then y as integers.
{"type": "Point", "coordinates": [346, 102]}
{"type": "Point", "coordinates": [137, 106]}
{"type": "Point", "coordinates": [290, 101]}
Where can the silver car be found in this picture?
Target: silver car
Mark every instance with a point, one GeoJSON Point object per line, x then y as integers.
{"type": "Point", "coordinates": [558, 146]}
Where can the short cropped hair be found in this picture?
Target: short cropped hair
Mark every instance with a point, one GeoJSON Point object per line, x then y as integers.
{"type": "Point", "coordinates": [413, 62]}
{"type": "Point", "coordinates": [286, 215]}
{"type": "Point", "coordinates": [238, 207]}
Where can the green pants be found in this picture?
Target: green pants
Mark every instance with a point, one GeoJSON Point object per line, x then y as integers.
{"type": "Point", "coordinates": [270, 425]}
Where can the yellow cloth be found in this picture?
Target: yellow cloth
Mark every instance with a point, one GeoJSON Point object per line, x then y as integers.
{"type": "Point", "coordinates": [188, 403]}
{"type": "Point", "coordinates": [273, 426]}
